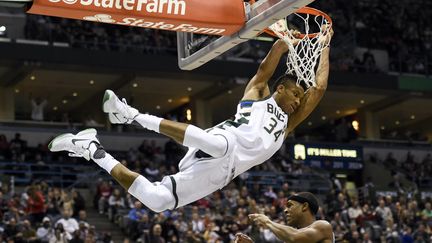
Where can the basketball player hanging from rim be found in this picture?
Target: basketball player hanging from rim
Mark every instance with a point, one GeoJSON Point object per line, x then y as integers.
{"type": "Point", "coordinates": [263, 120]}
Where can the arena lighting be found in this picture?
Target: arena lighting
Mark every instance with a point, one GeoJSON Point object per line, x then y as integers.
{"type": "Point", "coordinates": [158, 107]}
{"type": "Point", "coordinates": [32, 77]}
{"type": "Point", "coordinates": [362, 101]}
{"type": "Point", "coordinates": [412, 117]}
{"type": "Point", "coordinates": [134, 85]}
{"type": "Point", "coordinates": [356, 125]}
{"type": "Point", "coordinates": [189, 114]}
{"type": "Point", "coordinates": [74, 94]}
{"type": "Point", "coordinates": [169, 100]}
{"type": "Point", "coordinates": [92, 81]}
{"type": "Point", "coordinates": [2, 28]}
{"type": "Point", "coordinates": [189, 89]}
{"type": "Point", "coordinates": [17, 91]}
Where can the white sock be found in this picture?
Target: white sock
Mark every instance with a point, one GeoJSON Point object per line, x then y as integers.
{"type": "Point", "coordinates": [148, 121]}
{"type": "Point", "coordinates": [104, 160]}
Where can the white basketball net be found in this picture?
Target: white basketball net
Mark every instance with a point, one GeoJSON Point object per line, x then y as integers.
{"type": "Point", "coordinates": [302, 57]}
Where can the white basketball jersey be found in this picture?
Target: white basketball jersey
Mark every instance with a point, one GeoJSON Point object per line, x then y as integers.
{"type": "Point", "coordinates": [259, 127]}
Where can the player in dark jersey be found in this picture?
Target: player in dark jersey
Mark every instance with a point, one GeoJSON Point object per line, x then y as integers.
{"type": "Point", "coordinates": [301, 227]}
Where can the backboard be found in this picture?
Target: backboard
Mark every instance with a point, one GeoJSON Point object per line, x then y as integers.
{"type": "Point", "coordinates": [196, 50]}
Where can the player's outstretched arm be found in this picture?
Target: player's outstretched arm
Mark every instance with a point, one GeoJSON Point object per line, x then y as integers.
{"type": "Point", "coordinates": [318, 231]}
{"type": "Point", "coordinates": [314, 94]}
{"type": "Point", "coordinates": [258, 86]}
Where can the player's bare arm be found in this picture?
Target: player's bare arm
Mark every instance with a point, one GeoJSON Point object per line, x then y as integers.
{"type": "Point", "coordinates": [257, 88]}
{"type": "Point", "coordinates": [314, 94]}
{"type": "Point", "coordinates": [318, 231]}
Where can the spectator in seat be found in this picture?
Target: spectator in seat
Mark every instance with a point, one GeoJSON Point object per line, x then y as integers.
{"type": "Point", "coordinates": [28, 233]}
{"type": "Point", "coordinates": [69, 224]}
{"type": "Point", "coordinates": [421, 235]}
{"type": "Point", "coordinates": [76, 237]}
{"type": "Point", "coordinates": [38, 106]}
{"type": "Point", "coordinates": [104, 191]}
{"type": "Point", "coordinates": [383, 211]}
{"type": "Point", "coordinates": [82, 217]}
{"type": "Point", "coordinates": [349, 235]}
{"type": "Point", "coordinates": [427, 213]}
{"type": "Point", "coordinates": [91, 235]}
{"type": "Point", "coordinates": [52, 203]}
{"type": "Point", "coordinates": [369, 62]}
{"type": "Point", "coordinates": [144, 223]}
{"type": "Point", "coordinates": [354, 211]}
{"type": "Point", "coordinates": [134, 217]}
{"type": "Point", "coordinates": [155, 236]}
{"type": "Point", "coordinates": [269, 194]}
{"type": "Point", "coordinates": [78, 203]}
{"type": "Point", "coordinates": [169, 229]}
{"type": "Point", "coordinates": [366, 238]}
{"type": "Point", "coordinates": [4, 147]}
{"type": "Point", "coordinates": [407, 236]}
{"type": "Point", "coordinates": [367, 215]}
{"type": "Point", "coordinates": [338, 205]}
{"type": "Point", "coordinates": [116, 202]}
{"type": "Point", "coordinates": [45, 231]}
{"type": "Point", "coordinates": [339, 233]}
{"type": "Point", "coordinates": [197, 223]}
{"type": "Point", "coordinates": [17, 147]}
{"type": "Point", "coordinates": [3, 204]}
{"type": "Point", "coordinates": [35, 205]}
{"type": "Point", "coordinates": [60, 235]}
{"type": "Point", "coordinates": [337, 221]}
{"type": "Point", "coordinates": [12, 230]}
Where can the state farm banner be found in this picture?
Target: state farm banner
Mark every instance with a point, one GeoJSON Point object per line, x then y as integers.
{"type": "Point", "coordinates": [219, 17]}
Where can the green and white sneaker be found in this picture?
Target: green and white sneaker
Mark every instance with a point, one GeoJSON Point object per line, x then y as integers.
{"type": "Point", "coordinates": [119, 112]}
{"type": "Point", "coordinates": [78, 145]}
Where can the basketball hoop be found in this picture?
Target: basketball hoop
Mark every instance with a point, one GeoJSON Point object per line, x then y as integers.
{"type": "Point", "coordinates": [305, 47]}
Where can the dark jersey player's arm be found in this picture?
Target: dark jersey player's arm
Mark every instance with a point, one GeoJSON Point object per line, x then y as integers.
{"type": "Point", "coordinates": [266, 69]}
{"type": "Point", "coordinates": [317, 232]}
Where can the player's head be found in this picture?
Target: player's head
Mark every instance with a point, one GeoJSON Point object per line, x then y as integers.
{"type": "Point", "coordinates": [287, 93]}
{"type": "Point", "coordinates": [300, 205]}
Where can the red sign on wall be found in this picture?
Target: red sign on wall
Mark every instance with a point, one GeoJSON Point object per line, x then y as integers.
{"type": "Point", "coordinates": [219, 17]}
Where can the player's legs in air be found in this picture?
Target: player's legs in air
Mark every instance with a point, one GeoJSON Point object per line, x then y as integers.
{"type": "Point", "coordinates": [119, 112]}
{"type": "Point", "coordinates": [194, 181]}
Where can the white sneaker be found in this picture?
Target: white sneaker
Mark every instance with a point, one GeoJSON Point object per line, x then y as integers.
{"type": "Point", "coordinates": [119, 112]}
{"type": "Point", "coordinates": [78, 145]}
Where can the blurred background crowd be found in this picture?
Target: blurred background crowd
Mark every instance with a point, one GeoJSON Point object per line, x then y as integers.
{"type": "Point", "coordinates": [47, 212]}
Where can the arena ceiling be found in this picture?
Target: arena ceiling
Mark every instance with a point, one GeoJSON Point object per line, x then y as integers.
{"type": "Point", "coordinates": [80, 92]}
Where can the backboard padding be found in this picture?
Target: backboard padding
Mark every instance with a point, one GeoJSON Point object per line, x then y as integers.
{"type": "Point", "coordinates": [263, 14]}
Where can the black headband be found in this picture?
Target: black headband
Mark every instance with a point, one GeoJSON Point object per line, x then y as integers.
{"type": "Point", "coordinates": [313, 206]}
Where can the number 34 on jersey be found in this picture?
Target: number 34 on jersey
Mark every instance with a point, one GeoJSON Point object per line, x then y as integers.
{"type": "Point", "coordinates": [278, 118]}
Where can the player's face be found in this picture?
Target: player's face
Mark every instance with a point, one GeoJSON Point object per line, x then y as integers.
{"type": "Point", "coordinates": [291, 95]}
{"type": "Point", "coordinates": [293, 211]}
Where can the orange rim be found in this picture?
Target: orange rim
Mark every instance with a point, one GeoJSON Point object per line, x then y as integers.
{"type": "Point", "coordinates": [304, 10]}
